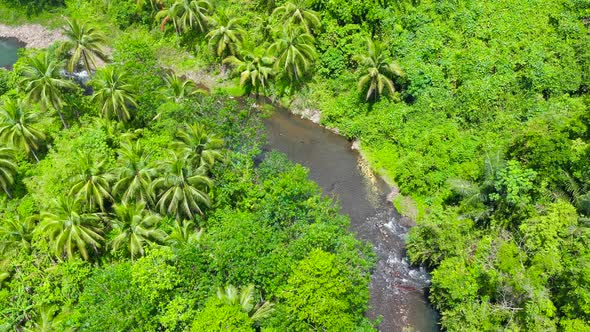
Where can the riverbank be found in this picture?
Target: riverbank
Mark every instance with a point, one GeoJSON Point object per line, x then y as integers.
{"type": "Point", "coordinates": [33, 35]}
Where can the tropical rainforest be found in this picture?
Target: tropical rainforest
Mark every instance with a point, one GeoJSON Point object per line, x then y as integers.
{"type": "Point", "coordinates": [135, 197]}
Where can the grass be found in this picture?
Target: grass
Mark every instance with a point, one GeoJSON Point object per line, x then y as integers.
{"type": "Point", "coordinates": [14, 17]}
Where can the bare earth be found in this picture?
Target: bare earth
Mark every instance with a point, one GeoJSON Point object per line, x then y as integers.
{"type": "Point", "coordinates": [34, 35]}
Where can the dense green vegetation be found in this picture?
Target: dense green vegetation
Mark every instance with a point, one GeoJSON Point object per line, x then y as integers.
{"type": "Point", "coordinates": [478, 110]}
{"type": "Point", "coordinates": [136, 205]}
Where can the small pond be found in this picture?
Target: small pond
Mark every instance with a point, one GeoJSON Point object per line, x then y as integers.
{"type": "Point", "coordinates": [9, 51]}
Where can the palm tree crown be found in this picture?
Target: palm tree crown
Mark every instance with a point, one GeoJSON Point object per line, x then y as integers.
{"type": "Point", "coordinates": [380, 71]}
{"type": "Point", "coordinates": [92, 182]}
{"type": "Point", "coordinates": [182, 189]}
{"type": "Point", "coordinates": [186, 15]}
{"type": "Point", "coordinates": [245, 299]}
{"type": "Point", "coordinates": [254, 66]}
{"type": "Point", "coordinates": [85, 43]}
{"type": "Point", "coordinates": [43, 83]}
{"type": "Point", "coordinates": [178, 88]}
{"type": "Point", "coordinates": [8, 169]}
{"type": "Point", "coordinates": [17, 126]}
{"type": "Point", "coordinates": [226, 36]}
{"type": "Point", "coordinates": [135, 227]}
{"type": "Point", "coordinates": [68, 229]}
{"type": "Point", "coordinates": [199, 147]}
{"type": "Point", "coordinates": [135, 174]}
{"type": "Point", "coordinates": [295, 12]}
{"type": "Point", "coordinates": [113, 93]}
{"type": "Point", "coordinates": [295, 52]}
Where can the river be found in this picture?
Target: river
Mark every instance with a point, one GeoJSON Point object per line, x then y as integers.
{"type": "Point", "coordinates": [9, 51]}
{"type": "Point", "coordinates": [397, 289]}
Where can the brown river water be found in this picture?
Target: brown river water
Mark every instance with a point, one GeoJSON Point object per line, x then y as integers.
{"type": "Point", "coordinates": [397, 289]}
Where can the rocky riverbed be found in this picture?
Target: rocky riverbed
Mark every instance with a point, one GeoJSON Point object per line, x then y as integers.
{"type": "Point", "coordinates": [33, 35]}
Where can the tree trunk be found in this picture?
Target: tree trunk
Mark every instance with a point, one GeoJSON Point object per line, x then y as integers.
{"type": "Point", "coordinates": [35, 155]}
{"type": "Point", "coordinates": [61, 117]}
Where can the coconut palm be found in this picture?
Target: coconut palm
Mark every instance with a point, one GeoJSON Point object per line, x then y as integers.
{"type": "Point", "coordinates": [225, 38]}
{"type": "Point", "coordinates": [16, 234]}
{"type": "Point", "coordinates": [182, 189]}
{"type": "Point", "coordinates": [294, 52]}
{"type": "Point", "coordinates": [184, 233]}
{"type": "Point", "coordinates": [43, 83]}
{"type": "Point", "coordinates": [84, 42]}
{"type": "Point", "coordinates": [17, 126]}
{"type": "Point", "coordinates": [254, 66]}
{"type": "Point", "coordinates": [91, 184]}
{"type": "Point", "coordinates": [178, 88]}
{"type": "Point", "coordinates": [186, 15]}
{"type": "Point", "coordinates": [295, 12]}
{"type": "Point", "coordinates": [230, 295]}
{"type": "Point", "coordinates": [113, 94]}
{"type": "Point", "coordinates": [68, 229]}
{"type": "Point", "coordinates": [199, 147]}
{"type": "Point", "coordinates": [135, 174]}
{"type": "Point", "coordinates": [380, 71]}
{"type": "Point", "coordinates": [8, 169]}
{"type": "Point", "coordinates": [134, 228]}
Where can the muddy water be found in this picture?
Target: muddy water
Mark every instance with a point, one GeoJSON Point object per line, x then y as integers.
{"type": "Point", "coordinates": [397, 290]}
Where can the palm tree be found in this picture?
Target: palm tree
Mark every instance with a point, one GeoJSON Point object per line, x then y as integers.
{"type": "Point", "coordinates": [198, 146]}
{"type": "Point", "coordinates": [92, 183]}
{"type": "Point", "coordinates": [226, 36]}
{"type": "Point", "coordinates": [135, 174]}
{"type": "Point", "coordinates": [186, 15]}
{"type": "Point", "coordinates": [68, 229]}
{"type": "Point", "coordinates": [380, 71]}
{"type": "Point", "coordinates": [179, 88]}
{"type": "Point", "coordinates": [113, 93]}
{"type": "Point", "coordinates": [85, 42]}
{"type": "Point", "coordinates": [295, 12]}
{"type": "Point", "coordinates": [184, 233]}
{"type": "Point", "coordinates": [17, 126]}
{"type": "Point", "coordinates": [182, 189]}
{"type": "Point", "coordinates": [254, 67]}
{"type": "Point", "coordinates": [230, 295]}
{"type": "Point", "coordinates": [16, 234]}
{"type": "Point", "coordinates": [295, 52]}
{"type": "Point", "coordinates": [43, 83]}
{"type": "Point", "coordinates": [8, 169]}
{"type": "Point", "coordinates": [134, 228]}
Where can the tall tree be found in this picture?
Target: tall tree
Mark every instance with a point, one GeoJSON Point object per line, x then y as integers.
{"type": "Point", "coordinates": [226, 35]}
{"type": "Point", "coordinates": [295, 53]}
{"type": "Point", "coordinates": [295, 12]}
{"type": "Point", "coordinates": [202, 149]}
{"type": "Point", "coordinates": [91, 184]}
{"type": "Point", "coordinates": [135, 174]}
{"type": "Point", "coordinates": [182, 189]}
{"type": "Point", "coordinates": [135, 227]}
{"type": "Point", "coordinates": [85, 42]}
{"type": "Point", "coordinates": [186, 15]}
{"type": "Point", "coordinates": [254, 66]}
{"type": "Point", "coordinates": [8, 169]}
{"type": "Point", "coordinates": [113, 93]}
{"type": "Point", "coordinates": [380, 70]}
{"type": "Point", "coordinates": [68, 229]}
{"type": "Point", "coordinates": [43, 82]}
{"type": "Point", "coordinates": [17, 126]}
